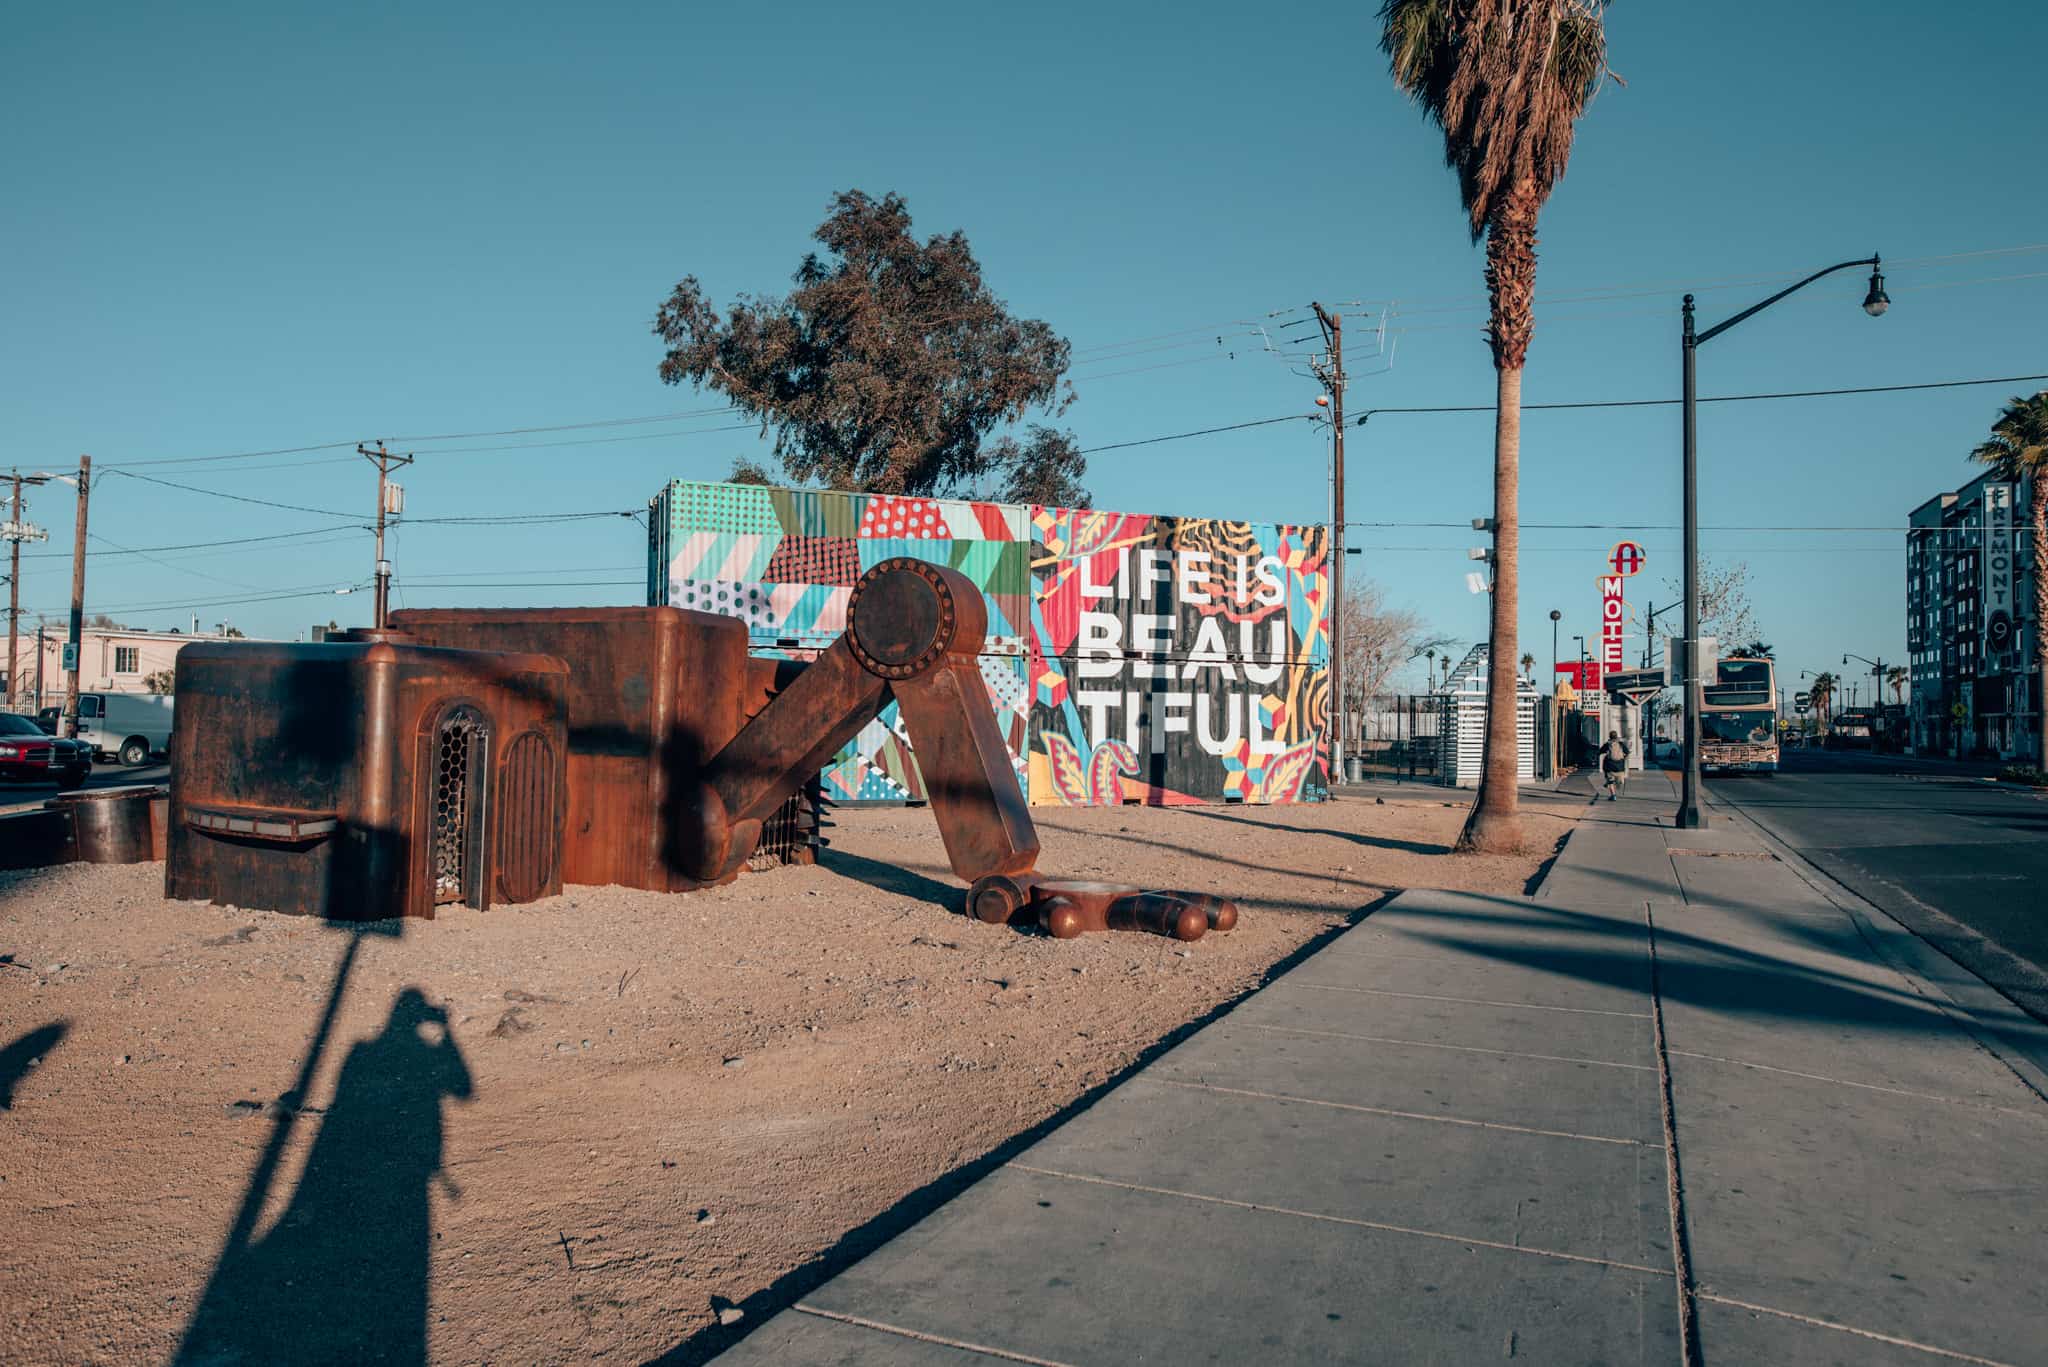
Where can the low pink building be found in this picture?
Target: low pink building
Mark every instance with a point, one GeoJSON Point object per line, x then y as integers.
{"type": "Point", "coordinates": [110, 661]}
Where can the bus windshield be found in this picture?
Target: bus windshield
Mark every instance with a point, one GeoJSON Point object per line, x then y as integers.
{"type": "Point", "coordinates": [1742, 683]}
{"type": "Point", "coordinates": [1737, 728]}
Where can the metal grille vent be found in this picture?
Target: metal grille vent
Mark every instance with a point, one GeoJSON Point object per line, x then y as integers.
{"type": "Point", "coordinates": [527, 839]}
{"type": "Point", "coordinates": [790, 835]}
{"type": "Point", "coordinates": [458, 763]}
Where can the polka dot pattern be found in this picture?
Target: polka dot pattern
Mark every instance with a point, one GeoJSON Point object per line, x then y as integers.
{"type": "Point", "coordinates": [911, 519]}
{"type": "Point", "coordinates": [748, 602]}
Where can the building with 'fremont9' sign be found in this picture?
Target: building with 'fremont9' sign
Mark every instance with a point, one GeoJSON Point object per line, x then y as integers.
{"type": "Point", "coordinates": [1129, 657]}
{"type": "Point", "coordinates": [1976, 685]}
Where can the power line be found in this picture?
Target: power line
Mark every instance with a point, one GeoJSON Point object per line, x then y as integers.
{"type": "Point", "coordinates": [590, 441]}
{"type": "Point", "coordinates": [204, 545]}
{"type": "Point", "coordinates": [445, 436]}
{"type": "Point", "coordinates": [1200, 432]}
{"type": "Point", "coordinates": [1668, 527]}
{"type": "Point", "coordinates": [554, 584]}
{"type": "Point", "coordinates": [221, 493]}
{"type": "Point", "coordinates": [1718, 398]}
{"type": "Point", "coordinates": [178, 569]}
{"type": "Point", "coordinates": [230, 602]}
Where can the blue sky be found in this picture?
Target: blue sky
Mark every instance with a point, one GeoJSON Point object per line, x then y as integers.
{"type": "Point", "coordinates": [237, 228]}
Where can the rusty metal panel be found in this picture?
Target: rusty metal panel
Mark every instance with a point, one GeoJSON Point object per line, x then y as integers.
{"type": "Point", "coordinates": [652, 693]}
{"type": "Point", "coordinates": [310, 778]}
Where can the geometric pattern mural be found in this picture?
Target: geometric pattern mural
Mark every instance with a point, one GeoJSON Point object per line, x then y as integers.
{"type": "Point", "coordinates": [1128, 658]}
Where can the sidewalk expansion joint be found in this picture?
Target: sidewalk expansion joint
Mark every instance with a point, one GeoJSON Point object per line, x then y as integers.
{"type": "Point", "coordinates": [1471, 1001]}
{"type": "Point", "coordinates": [1674, 1182]}
{"type": "Point", "coordinates": [1952, 1354]}
{"type": "Point", "coordinates": [2034, 1114]}
{"type": "Point", "coordinates": [1458, 1048]}
{"type": "Point", "coordinates": [862, 1322]}
{"type": "Point", "coordinates": [1350, 1220]}
{"type": "Point", "coordinates": [1399, 1115]}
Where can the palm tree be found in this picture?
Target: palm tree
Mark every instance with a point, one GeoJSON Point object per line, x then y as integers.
{"type": "Point", "coordinates": [1896, 677]}
{"type": "Point", "coordinates": [1506, 80]}
{"type": "Point", "coordinates": [1528, 664]}
{"type": "Point", "coordinates": [1822, 691]}
{"type": "Point", "coordinates": [2017, 450]}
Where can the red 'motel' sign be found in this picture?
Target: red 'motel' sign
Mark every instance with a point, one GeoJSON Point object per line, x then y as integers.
{"type": "Point", "coordinates": [1611, 614]}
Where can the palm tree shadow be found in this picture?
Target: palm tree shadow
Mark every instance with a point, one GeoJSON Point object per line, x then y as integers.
{"type": "Point", "coordinates": [343, 1275]}
{"type": "Point", "coordinates": [25, 1053]}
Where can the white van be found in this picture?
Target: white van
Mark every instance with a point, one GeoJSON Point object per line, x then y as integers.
{"type": "Point", "coordinates": [130, 727]}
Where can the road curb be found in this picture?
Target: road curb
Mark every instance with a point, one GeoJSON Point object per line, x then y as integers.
{"type": "Point", "coordinates": [1999, 1025]}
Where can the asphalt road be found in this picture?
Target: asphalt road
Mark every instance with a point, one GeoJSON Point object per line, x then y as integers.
{"type": "Point", "coordinates": [15, 797]}
{"type": "Point", "coordinates": [1961, 861]}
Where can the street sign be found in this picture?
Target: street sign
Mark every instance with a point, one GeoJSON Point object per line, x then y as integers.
{"type": "Point", "coordinates": [1626, 558]}
{"type": "Point", "coordinates": [1636, 684]}
{"type": "Point", "coordinates": [70, 656]}
{"type": "Point", "coordinates": [1709, 670]}
{"type": "Point", "coordinates": [1802, 701]}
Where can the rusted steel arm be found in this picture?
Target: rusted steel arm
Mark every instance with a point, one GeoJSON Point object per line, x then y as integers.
{"type": "Point", "coordinates": [913, 630]}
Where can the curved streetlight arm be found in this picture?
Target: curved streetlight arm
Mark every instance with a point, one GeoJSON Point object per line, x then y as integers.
{"type": "Point", "coordinates": [1721, 327]}
{"type": "Point", "coordinates": [1874, 664]}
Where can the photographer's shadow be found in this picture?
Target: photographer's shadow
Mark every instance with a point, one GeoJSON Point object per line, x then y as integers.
{"type": "Point", "coordinates": [343, 1274]}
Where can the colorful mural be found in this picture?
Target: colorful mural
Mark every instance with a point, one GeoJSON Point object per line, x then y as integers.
{"type": "Point", "coordinates": [1177, 660]}
{"type": "Point", "coordinates": [785, 561]}
{"type": "Point", "coordinates": [1129, 657]}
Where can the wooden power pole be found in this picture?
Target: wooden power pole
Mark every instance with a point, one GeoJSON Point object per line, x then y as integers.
{"type": "Point", "coordinates": [76, 648]}
{"type": "Point", "coordinates": [1332, 374]}
{"type": "Point", "coordinates": [390, 499]}
{"type": "Point", "coordinates": [17, 532]}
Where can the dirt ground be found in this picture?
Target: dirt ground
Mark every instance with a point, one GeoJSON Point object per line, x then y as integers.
{"type": "Point", "coordinates": [594, 1127]}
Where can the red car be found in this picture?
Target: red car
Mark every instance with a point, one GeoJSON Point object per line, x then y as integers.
{"type": "Point", "coordinates": [27, 755]}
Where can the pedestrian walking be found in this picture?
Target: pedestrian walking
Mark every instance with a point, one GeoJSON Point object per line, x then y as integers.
{"type": "Point", "coordinates": [1614, 764]}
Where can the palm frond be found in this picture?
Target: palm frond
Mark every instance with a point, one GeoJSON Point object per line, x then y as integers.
{"type": "Point", "coordinates": [2018, 444]}
{"type": "Point", "coordinates": [1506, 80]}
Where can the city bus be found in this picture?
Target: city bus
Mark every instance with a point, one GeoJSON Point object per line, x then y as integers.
{"type": "Point", "coordinates": [1739, 718]}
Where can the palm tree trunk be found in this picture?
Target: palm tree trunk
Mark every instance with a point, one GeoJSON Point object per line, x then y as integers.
{"type": "Point", "coordinates": [2039, 504]}
{"type": "Point", "coordinates": [1495, 825]}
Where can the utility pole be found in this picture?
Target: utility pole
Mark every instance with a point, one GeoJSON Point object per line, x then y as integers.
{"type": "Point", "coordinates": [76, 649]}
{"type": "Point", "coordinates": [1332, 375]}
{"type": "Point", "coordinates": [15, 535]}
{"type": "Point", "coordinates": [390, 499]}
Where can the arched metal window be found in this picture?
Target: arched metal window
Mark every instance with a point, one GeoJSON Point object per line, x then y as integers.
{"type": "Point", "coordinates": [462, 743]}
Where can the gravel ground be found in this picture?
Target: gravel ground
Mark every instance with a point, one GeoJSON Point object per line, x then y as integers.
{"type": "Point", "coordinates": [612, 1126]}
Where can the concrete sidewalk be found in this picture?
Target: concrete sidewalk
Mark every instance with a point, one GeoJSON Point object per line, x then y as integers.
{"type": "Point", "coordinates": [1445, 1138]}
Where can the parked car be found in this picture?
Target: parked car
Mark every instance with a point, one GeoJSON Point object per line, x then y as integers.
{"type": "Point", "coordinates": [130, 727]}
{"type": "Point", "coordinates": [29, 755]}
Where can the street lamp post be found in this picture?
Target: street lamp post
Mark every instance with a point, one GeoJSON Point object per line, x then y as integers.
{"type": "Point", "coordinates": [1554, 616]}
{"type": "Point", "coordinates": [1876, 691]}
{"type": "Point", "coordinates": [1690, 814]}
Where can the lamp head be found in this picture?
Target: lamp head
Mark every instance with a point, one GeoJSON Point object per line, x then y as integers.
{"type": "Point", "coordinates": [1555, 614]}
{"type": "Point", "coordinates": [1876, 301]}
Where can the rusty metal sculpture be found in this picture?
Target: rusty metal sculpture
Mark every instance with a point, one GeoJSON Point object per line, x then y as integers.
{"type": "Point", "coordinates": [366, 778]}
{"type": "Point", "coordinates": [913, 632]}
{"type": "Point", "coordinates": [680, 753]}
